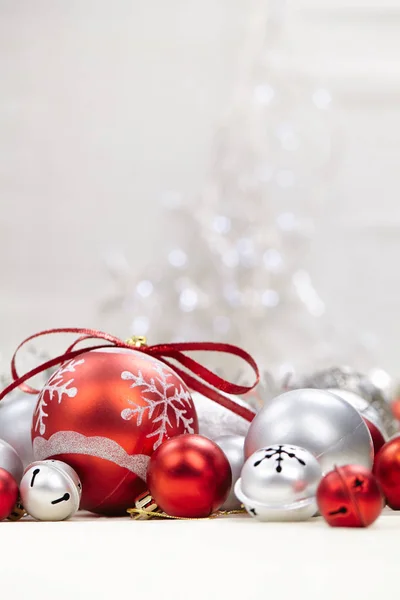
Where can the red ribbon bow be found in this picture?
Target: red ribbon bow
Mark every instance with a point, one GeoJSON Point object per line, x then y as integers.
{"type": "Point", "coordinates": [201, 382]}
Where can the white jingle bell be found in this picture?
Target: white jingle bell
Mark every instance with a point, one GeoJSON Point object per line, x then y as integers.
{"type": "Point", "coordinates": [326, 425]}
{"type": "Point", "coordinates": [279, 483]}
{"type": "Point", "coordinates": [50, 490]}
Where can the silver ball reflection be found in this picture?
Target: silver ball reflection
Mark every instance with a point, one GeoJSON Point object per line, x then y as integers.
{"type": "Point", "coordinates": [316, 420]}
{"type": "Point", "coordinates": [50, 490]}
{"type": "Point", "coordinates": [279, 483]}
{"type": "Point", "coordinates": [233, 448]}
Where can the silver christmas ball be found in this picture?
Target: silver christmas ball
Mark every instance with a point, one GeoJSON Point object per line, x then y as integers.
{"type": "Point", "coordinates": [215, 420]}
{"type": "Point", "coordinates": [318, 421]}
{"type": "Point", "coordinates": [346, 378]}
{"type": "Point", "coordinates": [50, 490]}
{"type": "Point", "coordinates": [16, 413]}
{"type": "Point", "coordinates": [10, 461]}
{"type": "Point", "coordinates": [366, 410]}
{"type": "Point", "coordinates": [279, 483]}
{"type": "Point", "coordinates": [233, 448]}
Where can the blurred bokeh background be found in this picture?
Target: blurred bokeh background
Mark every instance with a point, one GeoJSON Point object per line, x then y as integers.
{"type": "Point", "coordinates": [219, 169]}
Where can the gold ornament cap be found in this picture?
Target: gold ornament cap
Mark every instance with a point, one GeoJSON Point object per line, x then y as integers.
{"type": "Point", "coordinates": [137, 341]}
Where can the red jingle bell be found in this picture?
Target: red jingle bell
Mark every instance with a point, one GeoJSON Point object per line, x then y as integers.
{"type": "Point", "coordinates": [189, 476]}
{"type": "Point", "coordinates": [104, 413]}
{"type": "Point", "coordinates": [8, 494]}
{"type": "Point", "coordinates": [350, 496]}
{"type": "Point", "coordinates": [387, 471]}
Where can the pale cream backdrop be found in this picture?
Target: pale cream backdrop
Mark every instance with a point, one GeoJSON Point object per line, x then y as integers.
{"type": "Point", "coordinates": [104, 106]}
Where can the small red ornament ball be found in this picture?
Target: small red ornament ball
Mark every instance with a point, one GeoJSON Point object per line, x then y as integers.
{"type": "Point", "coordinates": [387, 471]}
{"type": "Point", "coordinates": [350, 496]}
{"type": "Point", "coordinates": [104, 414]}
{"type": "Point", "coordinates": [189, 476]}
{"type": "Point", "coordinates": [8, 494]}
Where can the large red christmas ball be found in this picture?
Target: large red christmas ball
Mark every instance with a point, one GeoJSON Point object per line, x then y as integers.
{"type": "Point", "coordinates": [105, 413]}
{"type": "Point", "coordinates": [387, 471]}
{"type": "Point", "coordinates": [350, 496]}
{"type": "Point", "coordinates": [189, 476]}
{"type": "Point", "coordinates": [8, 494]}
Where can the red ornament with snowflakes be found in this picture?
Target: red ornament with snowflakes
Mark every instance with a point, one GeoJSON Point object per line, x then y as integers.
{"type": "Point", "coordinates": [105, 413]}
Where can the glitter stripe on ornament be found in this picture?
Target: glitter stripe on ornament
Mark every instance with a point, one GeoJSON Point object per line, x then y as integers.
{"type": "Point", "coordinates": [97, 446]}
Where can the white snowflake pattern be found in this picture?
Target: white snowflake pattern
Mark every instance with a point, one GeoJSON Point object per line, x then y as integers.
{"type": "Point", "coordinates": [55, 387]}
{"type": "Point", "coordinates": [165, 395]}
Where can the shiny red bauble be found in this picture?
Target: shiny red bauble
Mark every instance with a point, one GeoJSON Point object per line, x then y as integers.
{"type": "Point", "coordinates": [378, 438]}
{"type": "Point", "coordinates": [387, 471]}
{"type": "Point", "coordinates": [350, 496]}
{"type": "Point", "coordinates": [189, 476]}
{"type": "Point", "coordinates": [105, 413]}
{"type": "Point", "coordinates": [395, 406]}
{"type": "Point", "coordinates": [8, 494]}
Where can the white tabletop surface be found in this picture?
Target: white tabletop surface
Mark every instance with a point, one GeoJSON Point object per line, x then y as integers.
{"type": "Point", "coordinates": [231, 557]}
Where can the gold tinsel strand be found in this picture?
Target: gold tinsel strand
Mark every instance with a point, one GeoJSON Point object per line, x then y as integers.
{"type": "Point", "coordinates": [138, 513]}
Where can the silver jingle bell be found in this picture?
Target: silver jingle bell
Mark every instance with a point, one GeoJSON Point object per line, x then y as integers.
{"type": "Point", "coordinates": [279, 483]}
{"type": "Point", "coordinates": [326, 425]}
{"type": "Point", "coordinates": [50, 490]}
{"type": "Point", "coordinates": [233, 448]}
{"type": "Point", "coordinates": [10, 461]}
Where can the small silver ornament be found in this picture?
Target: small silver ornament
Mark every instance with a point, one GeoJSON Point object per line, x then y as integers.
{"type": "Point", "coordinates": [279, 483]}
{"type": "Point", "coordinates": [216, 420]}
{"type": "Point", "coordinates": [233, 448]}
{"type": "Point", "coordinates": [50, 490]}
{"type": "Point", "coordinates": [346, 378]}
{"type": "Point", "coordinates": [16, 413]}
{"type": "Point", "coordinates": [317, 420]}
{"type": "Point", "coordinates": [10, 461]}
